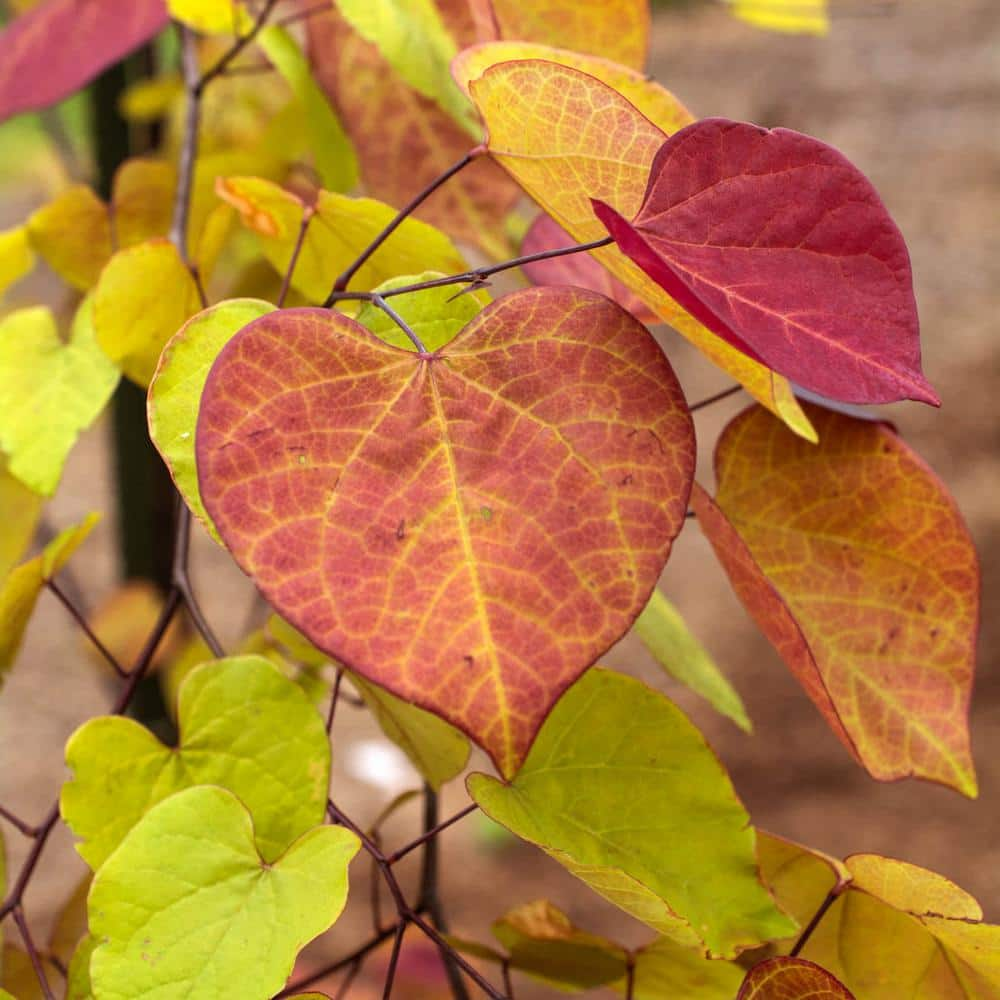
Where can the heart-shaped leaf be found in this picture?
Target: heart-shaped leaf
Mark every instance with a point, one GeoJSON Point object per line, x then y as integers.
{"type": "Point", "coordinates": [787, 978]}
{"type": "Point", "coordinates": [469, 528]}
{"type": "Point", "coordinates": [781, 246]}
{"type": "Point", "coordinates": [191, 862]}
{"type": "Point", "coordinates": [856, 564]}
{"type": "Point", "coordinates": [621, 789]}
{"type": "Point", "coordinates": [243, 725]}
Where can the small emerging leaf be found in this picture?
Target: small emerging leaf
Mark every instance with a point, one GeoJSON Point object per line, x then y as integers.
{"type": "Point", "coordinates": [800, 17]}
{"type": "Point", "coordinates": [856, 564]}
{"type": "Point", "coordinates": [16, 256]}
{"type": "Point", "coordinates": [620, 788]}
{"type": "Point", "coordinates": [243, 726]}
{"type": "Point", "coordinates": [791, 979]}
{"type": "Point", "coordinates": [349, 479]}
{"type": "Point", "coordinates": [192, 861]}
{"type": "Point", "coordinates": [666, 635]}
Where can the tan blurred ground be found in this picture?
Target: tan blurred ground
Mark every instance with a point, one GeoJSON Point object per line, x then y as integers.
{"type": "Point", "coordinates": [914, 99]}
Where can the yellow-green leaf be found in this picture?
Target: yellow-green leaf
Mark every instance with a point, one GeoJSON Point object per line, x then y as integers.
{"type": "Point", "coordinates": [666, 635]}
{"type": "Point", "coordinates": [800, 17]}
{"type": "Point", "coordinates": [16, 256]}
{"type": "Point", "coordinates": [621, 789]}
{"type": "Point", "coordinates": [49, 391]}
{"type": "Point", "coordinates": [21, 588]}
{"type": "Point", "coordinates": [20, 509]}
{"type": "Point", "coordinates": [73, 235]}
{"type": "Point", "coordinates": [143, 297]}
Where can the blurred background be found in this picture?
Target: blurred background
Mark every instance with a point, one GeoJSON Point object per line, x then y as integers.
{"type": "Point", "coordinates": [910, 91]}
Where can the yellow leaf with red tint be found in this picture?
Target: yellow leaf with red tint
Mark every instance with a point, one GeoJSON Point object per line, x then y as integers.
{"type": "Point", "coordinates": [144, 296]}
{"type": "Point", "coordinates": [856, 564]}
{"type": "Point", "coordinates": [614, 29]}
{"type": "Point", "coordinates": [566, 137]}
{"type": "Point", "coordinates": [786, 978]}
{"type": "Point", "coordinates": [73, 235]}
{"type": "Point", "coordinates": [783, 248]}
{"type": "Point", "coordinates": [911, 888]}
{"type": "Point", "coordinates": [470, 528]}
{"type": "Point", "coordinates": [404, 140]}
{"type": "Point", "coordinates": [339, 230]}
{"type": "Point", "coordinates": [657, 103]}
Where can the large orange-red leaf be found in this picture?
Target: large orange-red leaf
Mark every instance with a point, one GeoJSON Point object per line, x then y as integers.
{"type": "Point", "coordinates": [58, 46]}
{"type": "Point", "coordinates": [791, 979]}
{"type": "Point", "coordinates": [856, 564]}
{"type": "Point", "coordinates": [404, 140]}
{"type": "Point", "coordinates": [469, 528]}
{"type": "Point", "coordinates": [782, 247]}
{"type": "Point", "coordinates": [614, 29]}
{"type": "Point", "coordinates": [568, 136]}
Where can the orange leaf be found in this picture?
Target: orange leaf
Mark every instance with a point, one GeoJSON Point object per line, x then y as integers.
{"type": "Point", "coordinates": [471, 528]}
{"type": "Point", "coordinates": [856, 564]}
{"type": "Point", "coordinates": [404, 140]}
{"type": "Point", "coordinates": [568, 137]}
{"type": "Point", "coordinates": [791, 979]}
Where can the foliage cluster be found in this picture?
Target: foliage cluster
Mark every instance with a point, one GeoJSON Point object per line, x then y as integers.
{"type": "Point", "coordinates": [456, 504]}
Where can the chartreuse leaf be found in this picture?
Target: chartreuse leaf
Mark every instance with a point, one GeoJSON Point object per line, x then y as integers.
{"type": "Point", "coordinates": [4, 995]}
{"type": "Point", "coordinates": [186, 907]}
{"type": "Point", "coordinates": [347, 478]}
{"type": "Point", "coordinates": [666, 635]}
{"type": "Point", "coordinates": [49, 391]}
{"type": "Point", "coordinates": [435, 314]}
{"type": "Point", "coordinates": [412, 38]}
{"type": "Point", "coordinates": [339, 230]}
{"type": "Point", "coordinates": [212, 17]}
{"type": "Point", "coordinates": [175, 392]}
{"type": "Point", "coordinates": [856, 564]}
{"type": "Point", "coordinates": [785, 978]}
{"type": "Point", "coordinates": [143, 297]}
{"type": "Point", "coordinates": [21, 588]}
{"type": "Point", "coordinates": [405, 140]}
{"type": "Point", "coordinates": [87, 37]}
{"type": "Point", "coordinates": [438, 751]}
{"type": "Point", "coordinates": [16, 256]}
{"type": "Point", "coordinates": [665, 968]}
{"type": "Point", "coordinates": [781, 247]}
{"type": "Point", "coordinates": [336, 162]}
{"type": "Point", "coordinates": [614, 29]}
{"type": "Point", "coordinates": [567, 138]}
{"type": "Point", "coordinates": [805, 17]}
{"type": "Point", "coordinates": [71, 923]}
{"type": "Point", "coordinates": [20, 509]}
{"type": "Point", "coordinates": [621, 789]}
{"type": "Point", "coordinates": [243, 725]}
{"type": "Point", "coordinates": [78, 985]}
{"type": "Point", "coordinates": [72, 234]}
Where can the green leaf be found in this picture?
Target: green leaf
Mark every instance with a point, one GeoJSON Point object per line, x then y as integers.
{"type": "Point", "coordinates": [437, 750]}
{"type": "Point", "coordinates": [666, 969]}
{"type": "Point", "coordinates": [21, 588]}
{"type": "Point", "coordinates": [78, 985]}
{"type": "Point", "coordinates": [435, 315]}
{"type": "Point", "coordinates": [176, 389]}
{"type": "Point", "coordinates": [336, 162]}
{"type": "Point", "coordinates": [666, 635]}
{"type": "Point", "coordinates": [49, 391]}
{"type": "Point", "coordinates": [243, 725]}
{"type": "Point", "coordinates": [144, 296]}
{"type": "Point", "coordinates": [413, 39]}
{"type": "Point", "coordinates": [621, 789]}
{"type": "Point", "coordinates": [186, 907]}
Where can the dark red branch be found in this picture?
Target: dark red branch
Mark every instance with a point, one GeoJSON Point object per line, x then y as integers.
{"type": "Point", "coordinates": [235, 49]}
{"type": "Point", "coordinates": [86, 629]}
{"type": "Point", "coordinates": [718, 397]}
{"type": "Point", "coordinates": [831, 898]}
{"type": "Point", "coordinates": [26, 828]}
{"type": "Point", "coordinates": [307, 213]}
{"type": "Point", "coordinates": [29, 946]}
{"type": "Point", "coordinates": [431, 833]}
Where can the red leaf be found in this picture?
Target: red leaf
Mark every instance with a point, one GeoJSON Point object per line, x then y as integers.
{"type": "Point", "coordinates": [470, 529]}
{"type": "Point", "coordinates": [57, 47]}
{"type": "Point", "coordinates": [777, 243]}
{"type": "Point", "coordinates": [579, 269]}
{"type": "Point", "coordinates": [791, 979]}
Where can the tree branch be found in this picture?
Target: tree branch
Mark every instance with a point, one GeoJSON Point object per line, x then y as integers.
{"type": "Point", "coordinates": [718, 397]}
{"type": "Point", "coordinates": [29, 946]}
{"type": "Point", "coordinates": [85, 628]}
{"type": "Point", "coordinates": [831, 898]}
{"type": "Point", "coordinates": [307, 213]}
{"type": "Point", "coordinates": [235, 49]}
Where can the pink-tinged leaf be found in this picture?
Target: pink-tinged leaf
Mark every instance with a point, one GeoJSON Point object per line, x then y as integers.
{"type": "Point", "coordinates": [791, 979]}
{"type": "Point", "coordinates": [781, 246]}
{"type": "Point", "coordinates": [856, 564]}
{"type": "Point", "coordinates": [57, 47]}
{"type": "Point", "coordinates": [579, 269]}
{"type": "Point", "coordinates": [471, 528]}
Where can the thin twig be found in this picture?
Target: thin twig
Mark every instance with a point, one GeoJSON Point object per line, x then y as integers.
{"type": "Point", "coordinates": [390, 973]}
{"type": "Point", "coordinates": [352, 974]}
{"type": "Point", "coordinates": [401, 216]}
{"type": "Point", "coordinates": [428, 834]}
{"type": "Point", "coordinates": [831, 898]}
{"type": "Point", "coordinates": [484, 984]}
{"type": "Point", "coordinates": [508, 983]}
{"type": "Point", "coordinates": [85, 627]}
{"type": "Point", "coordinates": [378, 300]}
{"type": "Point", "coordinates": [26, 828]}
{"type": "Point", "coordinates": [718, 397]}
{"type": "Point", "coordinates": [235, 49]}
{"type": "Point", "coordinates": [189, 145]}
{"type": "Point", "coordinates": [630, 978]}
{"type": "Point", "coordinates": [182, 580]}
{"type": "Point", "coordinates": [307, 213]}
{"type": "Point", "coordinates": [477, 276]}
{"type": "Point", "coordinates": [356, 957]}
{"type": "Point", "coordinates": [334, 698]}
{"type": "Point", "coordinates": [29, 945]}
